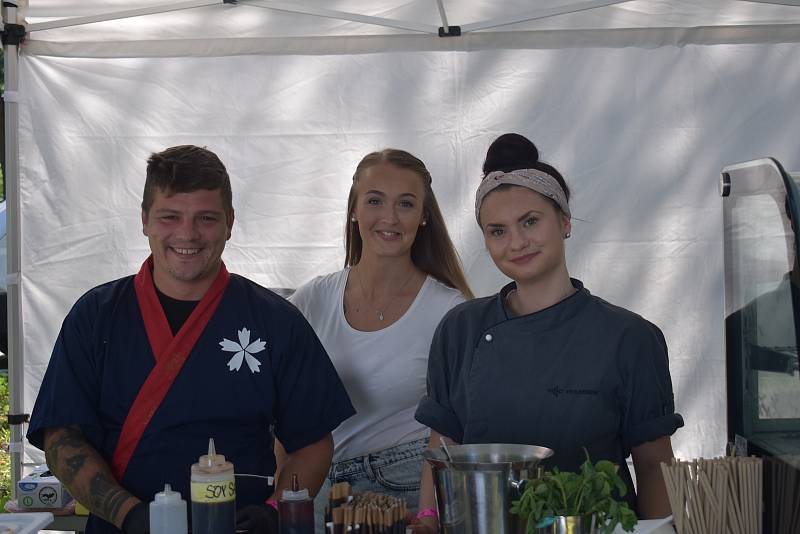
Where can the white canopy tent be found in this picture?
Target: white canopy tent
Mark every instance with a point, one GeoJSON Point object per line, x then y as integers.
{"type": "Point", "coordinates": [639, 103]}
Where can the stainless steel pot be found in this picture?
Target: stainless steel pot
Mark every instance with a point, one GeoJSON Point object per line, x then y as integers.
{"type": "Point", "coordinates": [571, 524]}
{"type": "Point", "coordinates": [474, 489]}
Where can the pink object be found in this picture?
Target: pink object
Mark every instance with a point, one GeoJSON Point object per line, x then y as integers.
{"type": "Point", "coordinates": [428, 512]}
{"type": "Point", "coordinates": [272, 502]}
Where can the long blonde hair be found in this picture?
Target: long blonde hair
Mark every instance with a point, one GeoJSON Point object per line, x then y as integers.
{"type": "Point", "coordinates": [432, 251]}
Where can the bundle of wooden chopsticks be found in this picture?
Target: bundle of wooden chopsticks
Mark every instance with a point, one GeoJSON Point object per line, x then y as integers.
{"type": "Point", "coordinates": [718, 496]}
{"type": "Point", "coordinates": [365, 512]}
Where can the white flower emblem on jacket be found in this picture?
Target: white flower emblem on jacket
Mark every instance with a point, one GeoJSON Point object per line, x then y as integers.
{"type": "Point", "coordinates": [244, 351]}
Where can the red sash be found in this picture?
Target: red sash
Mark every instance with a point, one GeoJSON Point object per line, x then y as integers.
{"type": "Point", "coordinates": [170, 354]}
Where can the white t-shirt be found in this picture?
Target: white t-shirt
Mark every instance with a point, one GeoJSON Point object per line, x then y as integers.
{"type": "Point", "coordinates": [384, 372]}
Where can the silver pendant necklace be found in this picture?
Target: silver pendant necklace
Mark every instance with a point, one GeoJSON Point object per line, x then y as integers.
{"type": "Point", "coordinates": [380, 312]}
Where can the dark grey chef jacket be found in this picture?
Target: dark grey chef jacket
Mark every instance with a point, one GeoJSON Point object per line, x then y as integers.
{"type": "Point", "coordinates": [581, 373]}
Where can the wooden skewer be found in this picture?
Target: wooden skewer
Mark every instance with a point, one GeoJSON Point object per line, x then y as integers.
{"type": "Point", "coordinates": [746, 489]}
{"type": "Point", "coordinates": [736, 513]}
{"type": "Point", "coordinates": [748, 499]}
{"type": "Point", "coordinates": [748, 484]}
{"type": "Point", "coordinates": [698, 522]}
{"type": "Point", "coordinates": [760, 471]}
{"type": "Point", "coordinates": [720, 485]}
{"type": "Point", "coordinates": [672, 495]}
{"type": "Point", "coordinates": [338, 520]}
{"type": "Point", "coordinates": [711, 503]}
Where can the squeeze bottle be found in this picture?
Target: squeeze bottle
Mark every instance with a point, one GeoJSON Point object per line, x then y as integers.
{"type": "Point", "coordinates": [296, 510]}
{"type": "Point", "coordinates": [213, 494]}
{"type": "Point", "coordinates": [168, 513]}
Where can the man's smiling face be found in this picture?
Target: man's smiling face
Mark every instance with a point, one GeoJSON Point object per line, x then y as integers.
{"type": "Point", "coordinates": [187, 234]}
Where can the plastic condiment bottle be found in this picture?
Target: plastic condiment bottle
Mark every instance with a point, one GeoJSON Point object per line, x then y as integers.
{"type": "Point", "coordinates": [213, 494]}
{"type": "Point", "coordinates": [168, 513]}
{"type": "Point", "coordinates": [296, 510]}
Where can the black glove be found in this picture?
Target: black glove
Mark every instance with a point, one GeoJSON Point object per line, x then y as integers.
{"type": "Point", "coordinates": [138, 520]}
{"type": "Point", "coordinates": [257, 519]}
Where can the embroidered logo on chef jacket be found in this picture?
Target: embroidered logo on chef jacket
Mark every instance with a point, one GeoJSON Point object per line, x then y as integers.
{"type": "Point", "coordinates": [244, 351]}
{"type": "Point", "coordinates": [556, 391]}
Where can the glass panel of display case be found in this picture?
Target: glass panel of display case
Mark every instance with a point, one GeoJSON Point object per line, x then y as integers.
{"type": "Point", "coordinates": [762, 297]}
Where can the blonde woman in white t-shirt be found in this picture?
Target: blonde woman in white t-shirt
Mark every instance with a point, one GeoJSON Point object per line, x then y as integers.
{"type": "Point", "coordinates": [376, 319]}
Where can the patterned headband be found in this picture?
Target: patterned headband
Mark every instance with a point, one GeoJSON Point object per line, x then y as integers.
{"type": "Point", "coordinates": [532, 179]}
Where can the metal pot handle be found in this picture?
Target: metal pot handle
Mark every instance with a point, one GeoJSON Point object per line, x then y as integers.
{"type": "Point", "coordinates": [519, 485]}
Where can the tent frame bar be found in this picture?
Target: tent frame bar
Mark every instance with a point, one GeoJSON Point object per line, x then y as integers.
{"type": "Point", "coordinates": [537, 14]}
{"type": "Point", "coordinates": [443, 15]}
{"type": "Point", "coordinates": [293, 7]}
{"type": "Point", "coordinates": [118, 15]}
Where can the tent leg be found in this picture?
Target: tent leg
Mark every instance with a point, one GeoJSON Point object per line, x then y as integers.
{"type": "Point", "coordinates": [15, 356]}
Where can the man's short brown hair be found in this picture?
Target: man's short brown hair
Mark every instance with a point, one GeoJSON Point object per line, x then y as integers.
{"type": "Point", "coordinates": [184, 169]}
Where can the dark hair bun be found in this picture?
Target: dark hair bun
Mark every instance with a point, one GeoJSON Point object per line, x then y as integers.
{"type": "Point", "coordinates": [510, 152]}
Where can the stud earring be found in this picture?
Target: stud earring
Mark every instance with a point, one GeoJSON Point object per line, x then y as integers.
{"type": "Point", "coordinates": [567, 235]}
{"type": "Point", "coordinates": [424, 223]}
{"type": "Point", "coordinates": [353, 218]}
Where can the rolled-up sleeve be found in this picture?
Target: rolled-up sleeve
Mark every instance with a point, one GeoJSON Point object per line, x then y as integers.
{"type": "Point", "coordinates": [647, 398]}
{"type": "Point", "coordinates": [436, 410]}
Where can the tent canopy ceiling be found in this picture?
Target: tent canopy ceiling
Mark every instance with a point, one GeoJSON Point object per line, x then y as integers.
{"type": "Point", "coordinates": [271, 19]}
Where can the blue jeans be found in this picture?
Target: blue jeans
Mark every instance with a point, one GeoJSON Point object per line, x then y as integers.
{"type": "Point", "coordinates": [394, 471]}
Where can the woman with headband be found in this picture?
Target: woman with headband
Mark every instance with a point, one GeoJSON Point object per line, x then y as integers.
{"type": "Point", "coordinates": [376, 318]}
{"type": "Point", "coordinates": [545, 362]}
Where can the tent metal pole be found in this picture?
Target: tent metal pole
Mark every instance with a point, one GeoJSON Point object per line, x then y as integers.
{"type": "Point", "coordinates": [16, 358]}
{"type": "Point", "coordinates": [293, 7]}
{"type": "Point", "coordinates": [117, 15]}
{"type": "Point", "coordinates": [443, 14]}
{"type": "Point", "coordinates": [537, 14]}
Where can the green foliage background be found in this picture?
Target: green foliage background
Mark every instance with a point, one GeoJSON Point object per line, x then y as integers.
{"type": "Point", "coordinates": [5, 458]}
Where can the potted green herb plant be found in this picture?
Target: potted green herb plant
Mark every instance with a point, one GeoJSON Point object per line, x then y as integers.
{"type": "Point", "coordinates": [586, 497]}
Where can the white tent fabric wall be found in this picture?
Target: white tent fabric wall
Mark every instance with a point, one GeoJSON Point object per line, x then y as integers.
{"type": "Point", "coordinates": [640, 133]}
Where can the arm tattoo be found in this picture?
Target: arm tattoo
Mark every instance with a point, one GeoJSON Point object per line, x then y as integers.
{"type": "Point", "coordinates": [85, 473]}
{"type": "Point", "coordinates": [106, 496]}
{"type": "Point", "coordinates": [74, 465]}
{"type": "Point", "coordinates": [68, 437]}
